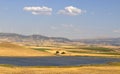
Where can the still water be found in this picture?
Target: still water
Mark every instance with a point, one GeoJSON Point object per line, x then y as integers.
{"type": "Point", "coordinates": [55, 61]}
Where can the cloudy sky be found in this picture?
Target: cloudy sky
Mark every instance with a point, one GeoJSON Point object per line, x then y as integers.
{"type": "Point", "coordinates": [74, 19]}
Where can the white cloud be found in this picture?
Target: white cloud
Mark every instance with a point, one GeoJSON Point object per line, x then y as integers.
{"type": "Point", "coordinates": [72, 11]}
{"type": "Point", "coordinates": [67, 25]}
{"type": "Point", "coordinates": [116, 31]}
{"type": "Point", "coordinates": [39, 10]}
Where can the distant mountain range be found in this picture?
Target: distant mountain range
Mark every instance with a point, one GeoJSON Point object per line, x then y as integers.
{"type": "Point", "coordinates": [104, 41]}
{"type": "Point", "coordinates": [44, 40]}
{"type": "Point", "coordinates": [32, 39]}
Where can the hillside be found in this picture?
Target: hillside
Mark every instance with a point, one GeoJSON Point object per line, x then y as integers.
{"type": "Point", "coordinates": [40, 40]}
{"type": "Point", "coordinates": [37, 40]}
{"type": "Point", "coordinates": [10, 49]}
{"type": "Point", "coordinates": [104, 41]}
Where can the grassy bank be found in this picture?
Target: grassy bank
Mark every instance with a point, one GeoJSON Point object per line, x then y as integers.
{"type": "Point", "coordinates": [110, 68]}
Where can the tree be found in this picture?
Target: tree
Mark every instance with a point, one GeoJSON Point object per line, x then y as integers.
{"type": "Point", "coordinates": [57, 52]}
{"type": "Point", "coordinates": [63, 52]}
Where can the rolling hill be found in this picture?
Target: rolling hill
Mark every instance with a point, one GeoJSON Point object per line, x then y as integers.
{"type": "Point", "coordinates": [40, 40]}
{"type": "Point", "coordinates": [10, 49]}
{"type": "Point", "coordinates": [37, 40]}
{"type": "Point", "coordinates": [104, 41]}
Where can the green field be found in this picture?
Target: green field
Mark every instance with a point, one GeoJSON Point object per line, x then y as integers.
{"type": "Point", "coordinates": [41, 49]}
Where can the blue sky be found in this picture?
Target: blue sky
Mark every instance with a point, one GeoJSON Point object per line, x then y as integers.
{"type": "Point", "coordinates": [74, 19]}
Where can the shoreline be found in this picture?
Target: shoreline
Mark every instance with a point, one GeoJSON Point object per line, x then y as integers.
{"type": "Point", "coordinates": [113, 56]}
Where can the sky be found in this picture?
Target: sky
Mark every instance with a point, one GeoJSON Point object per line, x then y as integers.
{"type": "Point", "coordinates": [74, 19]}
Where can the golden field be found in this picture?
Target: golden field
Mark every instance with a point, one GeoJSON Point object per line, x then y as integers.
{"type": "Point", "coordinates": [61, 70]}
{"type": "Point", "coordinates": [14, 50]}
{"type": "Point", "coordinates": [97, 51]}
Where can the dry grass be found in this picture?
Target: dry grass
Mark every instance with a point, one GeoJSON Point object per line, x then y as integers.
{"type": "Point", "coordinates": [83, 52]}
{"type": "Point", "coordinates": [72, 70]}
{"type": "Point", "coordinates": [8, 49]}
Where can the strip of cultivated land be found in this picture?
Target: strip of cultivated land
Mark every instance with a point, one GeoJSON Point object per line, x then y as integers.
{"type": "Point", "coordinates": [81, 51]}
{"type": "Point", "coordinates": [14, 50]}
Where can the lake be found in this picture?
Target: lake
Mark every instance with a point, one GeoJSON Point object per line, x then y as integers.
{"type": "Point", "coordinates": [55, 61]}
